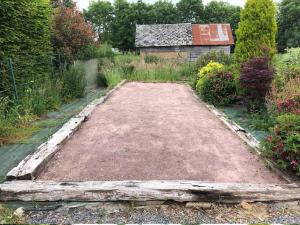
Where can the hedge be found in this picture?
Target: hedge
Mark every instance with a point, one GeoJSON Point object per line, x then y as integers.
{"type": "Point", "coordinates": [25, 37]}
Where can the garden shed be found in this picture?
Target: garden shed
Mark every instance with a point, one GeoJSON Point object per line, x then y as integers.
{"type": "Point", "coordinates": [183, 41]}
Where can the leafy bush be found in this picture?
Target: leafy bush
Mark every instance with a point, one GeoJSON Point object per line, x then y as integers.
{"type": "Point", "coordinates": [216, 85]}
{"type": "Point", "coordinates": [151, 59]}
{"type": "Point", "coordinates": [284, 99]}
{"type": "Point", "coordinates": [220, 57]}
{"type": "Point", "coordinates": [72, 33]}
{"type": "Point", "coordinates": [105, 51]}
{"type": "Point", "coordinates": [284, 143]}
{"type": "Point", "coordinates": [93, 51]}
{"type": "Point", "coordinates": [73, 82]}
{"type": "Point", "coordinates": [256, 77]}
{"type": "Point", "coordinates": [291, 57]}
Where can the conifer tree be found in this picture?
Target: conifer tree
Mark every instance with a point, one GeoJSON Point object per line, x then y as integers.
{"type": "Point", "coordinates": [257, 30]}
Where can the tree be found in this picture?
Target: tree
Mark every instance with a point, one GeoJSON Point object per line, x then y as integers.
{"type": "Point", "coordinates": [100, 14]}
{"type": "Point", "coordinates": [123, 26]}
{"type": "Point", "coordinates": [164, 12]}
{"type": "Point", "coordinates": [257, 28]}
{"type": "Point", "coordinates": [71, 33]}
{"type": "Point", "coordinates": [222, 12]}
{"type": "Point", "coordinates": [190, 11]}
{"type": "Point", "coordinates": [289, 24]}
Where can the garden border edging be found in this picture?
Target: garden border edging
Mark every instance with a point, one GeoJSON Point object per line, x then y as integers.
{"type": "Point", "coordinates": [29, 167]}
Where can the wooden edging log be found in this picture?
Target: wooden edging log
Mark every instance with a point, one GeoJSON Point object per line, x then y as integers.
{"type": "Point", "coordinates": [180, 191]}
{"type": "Point", "coordinates": [35, 162]}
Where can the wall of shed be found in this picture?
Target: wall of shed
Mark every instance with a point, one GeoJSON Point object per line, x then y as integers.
{"type": "Point", "coordinates": [187, 53]}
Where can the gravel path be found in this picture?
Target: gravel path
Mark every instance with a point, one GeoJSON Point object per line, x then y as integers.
{"type": "Point", "coordinates": [149, 131]}
{"type": "Point", "coordinates": [174, 213]}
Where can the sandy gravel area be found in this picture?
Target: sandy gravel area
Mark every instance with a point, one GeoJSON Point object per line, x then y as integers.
{"type": "Point", "coordinates": [149, 131]}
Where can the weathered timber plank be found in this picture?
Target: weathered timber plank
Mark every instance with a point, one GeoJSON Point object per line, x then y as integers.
{"type": "Point", "coordinates": [181, 191]}
{"type": "Point", "coordinates": [34, 163]}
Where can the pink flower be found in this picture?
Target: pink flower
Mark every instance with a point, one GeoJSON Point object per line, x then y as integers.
{"type": "Point", "coordinates": [294, 164]}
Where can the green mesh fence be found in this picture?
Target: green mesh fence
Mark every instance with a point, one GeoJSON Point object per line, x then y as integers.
{"type": "Point", "coordinates": [12, 154]}
{"type": "Point", "coordinates": [239, 115]}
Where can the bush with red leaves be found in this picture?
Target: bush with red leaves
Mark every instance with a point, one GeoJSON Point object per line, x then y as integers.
{"type": "Point", "coordinates": [256, 77]}
{"type": "Point", "coordinates": [72, 33]}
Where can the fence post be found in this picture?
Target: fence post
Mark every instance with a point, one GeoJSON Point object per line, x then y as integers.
{"type": "Point", "coordinates": [12, 76]}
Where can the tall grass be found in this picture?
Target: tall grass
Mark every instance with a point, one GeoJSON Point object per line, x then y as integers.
{"type": "Point", "coordinates": [162, 71]}
{"type": "Point", "coordinates": [112, 77]}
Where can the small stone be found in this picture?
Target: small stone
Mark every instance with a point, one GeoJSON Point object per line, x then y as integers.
{"type": "Point", "coordinates": [19, 212]}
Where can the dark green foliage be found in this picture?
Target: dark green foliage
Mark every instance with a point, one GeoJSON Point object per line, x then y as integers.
{"type": "Point", "coordinates": [289, 24]}
{"type": "Point", "coordinates": [190, 11]}
{"type": "Point", "coordinates": [122, 26]}
{"type": "Point", "coordinates": [73, 83]}
{"type": "Point", "coordinates": [222, 12]}
{"type": "Point", "coordinates": [101, 80]}
{"type": "Point", "coordinates": [256, 77]}
{"type": "Point", "coordinates": [25, 29]}
{"type": "Point", "coordinates": [94, 51]}
{"type": "Point", "coordinates": [284, 143]}
{"type": "Point", "coordinates": [100, 13]}
{"type": "Point", "coordinates": [256, 29]}
{"type": "Point", "coordinates": [218, 89]}
{"type": "Point", "coordinates": [164, 12]}
{"type": "Point", "coordinates": [219, 57]}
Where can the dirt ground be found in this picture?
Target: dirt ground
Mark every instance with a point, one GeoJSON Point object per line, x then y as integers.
{"type": "Point", "coordinates": [149, 131]}
{"type": "Point", "coordinates": [172, 213]}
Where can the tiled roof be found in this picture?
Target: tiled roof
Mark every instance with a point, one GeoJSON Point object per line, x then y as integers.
{"type": "Point", "coordinates": [163, 35]}
{"type": "Point", "coordinates": [183, 34]}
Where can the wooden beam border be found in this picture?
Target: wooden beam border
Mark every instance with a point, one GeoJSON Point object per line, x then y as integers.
{"type": "Point", "coordinates": [179, 191]}
{"type": "Point", "coordinates": [29, 168]}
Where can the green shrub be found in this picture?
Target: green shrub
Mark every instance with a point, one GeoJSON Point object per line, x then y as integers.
{"type": "Point", "coordinates": [210, 68]}
{"type": "Point", "coordinates": [220, 57]}
{"type": "Point", "coordinates": [217, 88]}
{"type": "Point", "coordinates": [152, 59]}
{"type": "Point", "coordinates": [257, 30]}
{"type": "Point", "coordinates": [216, 84]}
{"type": "Point", "coordinates": [73, 82]}
{"type": "Point", "coordinates": [101, 81]}
{"type": "Point", "coordinates": [89, 52]}
{"type": "Point", "coordinates": [105, 51]}
{"type": "Point", "coordinates": [291, 57]}
{"type": "Point", "coordinates": [93, 51]}
{"type": "Point", "coordinates": [284, 143]}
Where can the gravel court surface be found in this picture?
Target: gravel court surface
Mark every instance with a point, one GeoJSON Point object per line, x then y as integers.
{"type": "Point", "coordinates": [156, 131]}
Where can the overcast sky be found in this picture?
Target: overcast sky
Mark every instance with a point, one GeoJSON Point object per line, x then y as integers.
{"type": "Point", "coordinates": [83, 4]}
